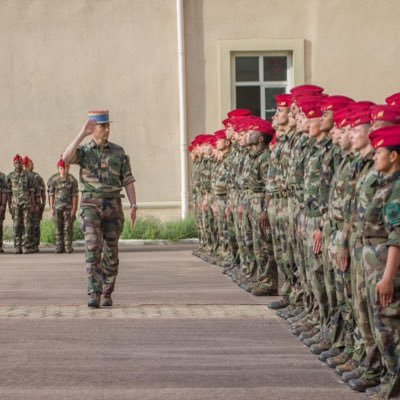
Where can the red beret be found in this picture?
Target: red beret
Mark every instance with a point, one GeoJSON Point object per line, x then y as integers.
{"type": "Point", "coordinates": [239, 112]}
{"type": "Point", "coordinates": [18, 158]}
{"type": "Point", "coordinates": [260, 125]}
{"type": "Point", "coordinates": [360, 117]}
{"type": "Point", "coordinates": [360, 105]}
{"type": "Point", "coordinates": [306, 89]}
{"type": "Point", "coordinates": [341, 118]}
{"type": "Point", "coordinates": [307, 99]}
{"type": "Point", "coordinates": [284, 100]}
{"type": "Point", "coordinates": [385, 137]}
{"type": "Point", "coordinates": [385, 113]}
{"type": "Point", "coordinates": [61, 163]}
{"type": "Point", "coordinates": [311, 109]}
{"type": "Point", "coordinates": [393, 100]}
{"type": "Point", "coordinates": [334, 103]}
{"type": "Point", "coordinates": [26, 160]}
{"type": "Point", "coordinates": [220, 134]}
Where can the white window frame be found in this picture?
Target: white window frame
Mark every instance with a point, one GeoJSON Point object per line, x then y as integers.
{"type": "Point", "coordinates": [288, 84]}
{"type": "Point", "coordinates": [229, 48]}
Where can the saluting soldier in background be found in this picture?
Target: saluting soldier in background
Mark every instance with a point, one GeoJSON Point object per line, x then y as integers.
{"type": "Point", "coordinates": [3, 205]}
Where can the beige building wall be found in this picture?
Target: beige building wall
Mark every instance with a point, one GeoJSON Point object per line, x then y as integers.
{"type": "Point", "coordinates": [59, 59]}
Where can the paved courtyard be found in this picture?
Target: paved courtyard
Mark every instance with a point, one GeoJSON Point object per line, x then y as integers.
{"type": "Point", "coordinates": [179, 330]}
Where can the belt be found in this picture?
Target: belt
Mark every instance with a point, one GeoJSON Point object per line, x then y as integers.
{"type": "Point", "coordinates": [95, 195]}
{"type": "Point", "coordinates": [373, 241]}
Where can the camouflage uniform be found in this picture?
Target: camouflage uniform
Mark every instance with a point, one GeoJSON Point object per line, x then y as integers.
{"type": "Point", "coordinates": [21, 189]}
{"type": "Point", "coordinates": [295, 189]}
{"type": "Point", "coordinates": [3, 190]}
{"type": "Point", "coordinates": [63, 190]}
{"type": "Point", "coordinates": [196, 196]}
{"type": "Point", "coordinates": [367, 183]}
{"type": "Point", "coordinates": [338, 286]}
{"type": "Point", "coordinates": [380, 228]}
{"type": "Point", "coordinates": [315, 200]}
{"type": "Point", "coordinates": [273, 195]}
{"type": "Point", "coordinates": [103, 172]}
{"type": "Point", "coordinates": [36, 216]}
{"type": "Point", "coordinates": [262, 265]}
{"type": "Point", "coordinates": [220, 189]}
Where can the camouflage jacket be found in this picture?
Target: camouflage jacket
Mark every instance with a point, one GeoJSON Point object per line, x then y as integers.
{"type": "Point", "coordinates": [338, 189]}
{"type": "Point", "coordinates": [206, 167]}
{"type": "Point", "coordinates": [3, 183]}
{"type": "Point", "coordinates": [220, 176]}
{"type": "Point", "coordinates": [230, 161]}
{"type": "Point", "coordinates": [40, 186]}
{"type": "Point", "coordinates": [273, 179]}
{"type": "Point", "coordinates": [289, 140]}
{"type": "Point", "coordinates": [382, 214]}
{"type": "Point", "coordinates": [63, 190]}
{"type": "Point", "coordinates": [238, 166]}
{"type": "Point", "coordinates": [195, 176]}
{"type": "Point", "coordinates": [258, 169]}
{"type": "Point", "coordinates": [295, 175]}
{"type": "Point", "coordinates": [20, 186]}
{"type": "Point", "coordinates": [316, 191]}
{"type": "Point", "coordinates": [103, 172]}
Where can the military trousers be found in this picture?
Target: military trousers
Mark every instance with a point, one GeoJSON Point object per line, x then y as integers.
{"type": "Point", "coordinates": [22, 226]}
{"type": "Point", "coordinates": [1, 232]}
{"type": "Point", "coordinates": [237, 221]}
{"type": "Point", "coordinates": [209, 225]}
{"type": "Point", "coordinates": [64, 229]}
{"type": "Point", "coordinates": [224, 249]}
{"type": "Point", "coordinates": [366, 346]}
{"type": "Point", "coordinates": [274, 212]}
{"type": "Point", "coordinates": [386, 320]}
{"type": "Point", "coordinates": [315, 269]}
{"type": "Point", "coordinates": [34, 234]}
{"type": "Point", "coordinates": [102, 222]}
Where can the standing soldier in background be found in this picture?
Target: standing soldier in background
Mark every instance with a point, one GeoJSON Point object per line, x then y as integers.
{"type": "Point", "coordinates": [104, 170]}
{"type": "Point", "coordinates": [40, 203]}
{"type": "Point", "coordinates": [63, 200]}
{"type": "Point", "coordinates": [21, 200]}
{"type": "Point", "coordinates": [3, 206]}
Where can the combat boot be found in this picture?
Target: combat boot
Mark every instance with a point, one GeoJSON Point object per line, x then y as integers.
{"type": "Point", "coordinates": [264, 291]}
{"type": "Point", "coordinates": [348, 366]}
{"type": "Point", "coordinates": [355, 374]}
{"type": "Point", "coordinates": [373, 391]}
{"type": "Point", "coordinates": [313, 340]}
{"type": "Point", "coordinates": [306, 326]}
{"type": "Point", "coordinates": [107, 301]}
{"type": "Point", "coordinates": [362, 384]}
{"type": "Point", "coordinates": [278, 304]}
{"type": "Point", "coordinates": [309, 334]}
{"type": "Point", "coordinates": [340, 359]}
{"type": "Point", "coordinates": [332, 352]}
{"type": "Point", "coordinates": [323, 345]}
{"type": "Point", "coordinates": [297, 318]}
{"type": "Point", "coordinates": [1, 250]}
{"type": "Point", "coordinates": [283, 312]}
{"type": "Point", "coordinates": [94, 301]}
{"type": "Point", "coordinates": [69, 250]}
{"type": "Point", "coordinates": [59, 250]}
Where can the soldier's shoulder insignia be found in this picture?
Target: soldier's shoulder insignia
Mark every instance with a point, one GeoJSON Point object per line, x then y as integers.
{"type": "Point", "coordinates": [392, 211]}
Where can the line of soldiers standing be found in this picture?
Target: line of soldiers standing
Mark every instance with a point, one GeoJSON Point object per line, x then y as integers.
{"type": "Point", "coordinates": [24, 191]}
{"type": "Point", "coordinates": [318, 200]}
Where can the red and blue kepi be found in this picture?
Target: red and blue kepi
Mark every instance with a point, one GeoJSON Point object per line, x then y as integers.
{"type": "Point", "coordinates": [101, 117]}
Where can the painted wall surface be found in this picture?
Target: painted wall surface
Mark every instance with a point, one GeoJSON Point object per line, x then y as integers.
{"type": "Point", "coordinates": [59, 59]}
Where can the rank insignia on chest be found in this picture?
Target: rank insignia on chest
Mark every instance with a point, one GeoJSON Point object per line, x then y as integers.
{"type": "Point", "coordinates": [392, 212]}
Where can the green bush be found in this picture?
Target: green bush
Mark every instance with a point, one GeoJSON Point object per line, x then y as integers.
{"type": "Point", "coordinates": [147, 228]}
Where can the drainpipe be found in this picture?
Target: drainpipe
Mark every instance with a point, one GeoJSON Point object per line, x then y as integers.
{"type": "Point", "coordinates": [182, 111]}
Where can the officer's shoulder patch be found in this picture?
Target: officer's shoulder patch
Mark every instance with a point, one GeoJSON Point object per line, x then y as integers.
{"type": "Point", "coordinates": [392, 211]}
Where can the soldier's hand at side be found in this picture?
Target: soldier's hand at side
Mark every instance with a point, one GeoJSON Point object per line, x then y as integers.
{"type": "Point", "coordinates": [204, 205]}
{"type": "Point", "coordinates": [89, 127]}
{"type": "Point", "coordinates": [264, 221]}
{"type": "Point", "coordinates": [133, 217]}
{"type": "Point", "coordinates": [343, 260]}
{"type": "Point", "coordinates": [317, 237]}
{"type": "Point", "coordinates": [240, 211]}
{"type": "Point", "coordinates": [385, 291]}
{"type": "Point", "coordinates": [227, 211]}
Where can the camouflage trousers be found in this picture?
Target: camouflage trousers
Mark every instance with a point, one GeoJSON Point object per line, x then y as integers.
{"type": "Point", "coordinates": [342, 329]}
{"type": "Point", "coordinates": [102, 222]}
{"type": "Point", "coordinates": [247, 266]}
{"type": "Point", "coordinates": [1, 232]}
{"type": "Point", "coordinates": [64, 229]}
{"type": "Point", "coordinates": [274, 216]}
{"type": "Point", "coordinates": [365, 346]}
{"type": "Point", "coordinates": [242, 251]}
{"type": "Point", "coordinates": [262, 266]}
{"type": "Point", "coordinates": [328, 232]}
{"type": "Point", "coordinates": [209, 227]}
{"type": "Point", "coordinates": [386, 320]}
{"type": "Point", "coordinates": [315, 268]}
{"type": "Point", "coordinates": [22, 227]}
{"type": "Point", "coordinates": [233, 244]}
{"type": "Point", "coordinates": [224, 248]}
{"type": "Point", "coordinates": [304, 272]}
{"type": "Point", "coordinates": [34, 234]}
{"type": "Point", "coordinates": [198, 219]}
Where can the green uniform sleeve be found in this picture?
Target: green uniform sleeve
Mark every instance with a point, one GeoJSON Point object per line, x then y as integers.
{"type": "Point", "coordinates": [391, 213]}
{"type": "Point", "coordinates": [126, 171]}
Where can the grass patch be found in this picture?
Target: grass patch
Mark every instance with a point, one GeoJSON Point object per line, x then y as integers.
{"type": "Point", "coordinates": [147, 228]}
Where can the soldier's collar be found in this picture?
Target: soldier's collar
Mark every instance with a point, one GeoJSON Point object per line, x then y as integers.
{"type": "Point", "coordinates": [93, 143]}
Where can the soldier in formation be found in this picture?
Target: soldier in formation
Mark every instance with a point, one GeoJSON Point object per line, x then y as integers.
{"type": "Point", "coordinates": [63, 201]}
{"type": "Point", "coordinates": [315, 195]}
